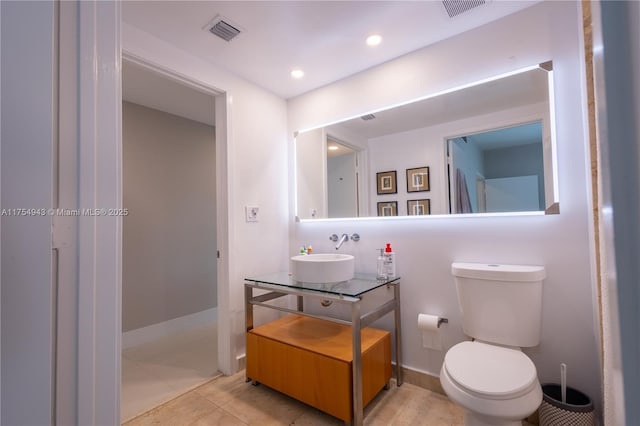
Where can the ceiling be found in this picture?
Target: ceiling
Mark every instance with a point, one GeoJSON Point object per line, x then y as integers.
{"type": "Point", "coordinates": [501, 94]}
{"type": "Point", "coordinates": [524, 134]}
{"type": "Point", "coordinates": [324, 38]}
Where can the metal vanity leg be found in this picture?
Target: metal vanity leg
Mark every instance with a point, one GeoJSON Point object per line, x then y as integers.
{"type": "Point", "coordinates": [248, 307]}
{"type": "Point", "coordinates": [356, 365]}
{"type": "Point", "coordinates": [300, 303]}
{"type": "Point", "coordinates": [398, 333]}
{"type": "Point", "coordinates": [248, 315]}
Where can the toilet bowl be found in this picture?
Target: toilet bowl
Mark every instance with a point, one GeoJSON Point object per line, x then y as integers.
{"type": "Point", "coordinates": [490, 377]}
{"type": "Point", "coordinates": [495, 385]}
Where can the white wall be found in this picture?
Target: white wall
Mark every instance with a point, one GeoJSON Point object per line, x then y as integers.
{"type": "Point", "coordinates": [27, 90]}
{"type": "Point", "coordinates": [311, 173]}
{"type": "Point", "coordinates": [169, 235]}
{"type": "Point", "coordinates": [28, 135]}
{"type": "Point", "coordinates": [257, 159]}
{"type": "Point", "coordinates": [425, 248]}
{"type": "Point", "coordinates": [401, 151]}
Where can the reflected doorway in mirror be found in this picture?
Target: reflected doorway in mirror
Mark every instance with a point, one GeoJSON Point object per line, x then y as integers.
{"type": "Point", "coordinates": [507, 165]}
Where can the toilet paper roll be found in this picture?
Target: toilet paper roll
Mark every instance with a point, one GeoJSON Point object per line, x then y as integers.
{"type": "Point", "coordinates": [428, 324]}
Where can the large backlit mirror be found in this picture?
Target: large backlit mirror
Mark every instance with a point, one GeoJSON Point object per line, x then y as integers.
{"type": "Point", "coordinates": [487, 147]}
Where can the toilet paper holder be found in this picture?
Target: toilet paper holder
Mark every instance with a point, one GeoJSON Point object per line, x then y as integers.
{"type": "Point", "coordinates": [431, 322]}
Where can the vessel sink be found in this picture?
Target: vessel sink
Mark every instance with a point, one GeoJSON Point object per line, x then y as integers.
{"type": "Point", "coordinates": [322, 267]}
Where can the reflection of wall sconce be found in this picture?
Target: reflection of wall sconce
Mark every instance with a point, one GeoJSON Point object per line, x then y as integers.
{"type": "Point", "coordinates": [418, 179]}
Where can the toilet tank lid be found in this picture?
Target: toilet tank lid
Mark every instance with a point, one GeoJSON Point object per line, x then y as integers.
{"type": "Point", "coordinates": [498, 272]}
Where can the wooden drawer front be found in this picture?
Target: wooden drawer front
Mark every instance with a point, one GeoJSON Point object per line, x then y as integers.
{"type": "Point", "coordinates": [316, 379]}
{"type": "Point", "coordinates": [376, 368]}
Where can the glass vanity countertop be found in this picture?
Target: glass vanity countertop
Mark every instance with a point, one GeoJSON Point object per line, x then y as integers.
{"type": "Point", "coordinates": [358, 285]}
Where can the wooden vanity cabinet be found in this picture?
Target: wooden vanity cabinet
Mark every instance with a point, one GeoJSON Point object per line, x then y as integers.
{"type": "Point", "coordinates": [310, 360]}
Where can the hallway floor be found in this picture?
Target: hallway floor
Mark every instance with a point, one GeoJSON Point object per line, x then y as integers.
{"type": "Point", "coordinates": [159, 371]}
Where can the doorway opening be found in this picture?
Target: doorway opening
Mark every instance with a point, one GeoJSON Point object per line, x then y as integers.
{"type": "Point", "coordinates": [171, 236]}
{"type": "Point", "coordinates": [497, 170]}
{"type": "Point", "coordinates": [342, 179]}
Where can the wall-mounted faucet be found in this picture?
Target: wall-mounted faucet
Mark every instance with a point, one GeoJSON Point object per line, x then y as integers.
{"type": "Point", "coordinates": [343, 239]}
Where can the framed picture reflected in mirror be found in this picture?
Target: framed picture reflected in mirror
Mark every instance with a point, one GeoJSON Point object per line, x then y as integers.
{"type": "Point", "coordinates": [388, 208]}
{"type": "Point", "coordinates": [419, 207]}
{"type": "Point", "coordinates": [418, 179]}
{"type": "Point", "coordinates": [387, 182]}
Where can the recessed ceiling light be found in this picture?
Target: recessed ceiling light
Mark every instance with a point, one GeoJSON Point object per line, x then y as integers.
{"type": "Point", "coordinates": [297, 73]}
{"type": "Point", "coordinates": [374, 40]}
{"type": "Point", "coordinates": [333, 148]}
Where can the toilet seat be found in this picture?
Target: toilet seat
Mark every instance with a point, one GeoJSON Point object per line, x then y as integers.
{"type": "Point", "coordinates": [489, 371]}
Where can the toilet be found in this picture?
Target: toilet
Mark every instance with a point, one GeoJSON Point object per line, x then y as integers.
{"type": "Point", "coordinates": [490, 377]}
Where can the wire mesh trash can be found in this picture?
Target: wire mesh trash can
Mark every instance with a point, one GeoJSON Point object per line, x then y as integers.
{"type": "Point", "coordinates": [576, 411]}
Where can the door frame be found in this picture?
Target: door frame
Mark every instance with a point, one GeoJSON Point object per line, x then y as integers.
{"type": "Point", "coordinates": [93, 396]}
{"type": "Point", "coordinates": [222, 199]}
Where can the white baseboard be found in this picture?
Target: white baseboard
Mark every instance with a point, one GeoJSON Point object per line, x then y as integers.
{"type": "Point", "coordinates": [167, 328]}
{"type": "Point", "coordinates": [241, 362]}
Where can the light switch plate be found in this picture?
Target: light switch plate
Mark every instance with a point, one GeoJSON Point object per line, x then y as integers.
{"type": "Point", "coordinates": [252, 213]}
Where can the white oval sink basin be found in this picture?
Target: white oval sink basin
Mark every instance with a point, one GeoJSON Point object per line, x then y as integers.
{"type": "Point", "coordinates": [322, 267]}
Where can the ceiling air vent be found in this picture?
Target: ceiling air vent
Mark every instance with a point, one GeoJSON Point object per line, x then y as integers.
{"type": "Point", "coordinates": [224, 28]}
{"type": "Point", "coordinates": [456, 7]}
{"type": "Point", "coordinates": [368, 117]}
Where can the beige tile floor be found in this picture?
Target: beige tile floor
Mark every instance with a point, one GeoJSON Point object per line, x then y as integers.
{"type": "Point", "coordinates": [159, 371]}
{"type": "Point", "coordinates": [231, 401]}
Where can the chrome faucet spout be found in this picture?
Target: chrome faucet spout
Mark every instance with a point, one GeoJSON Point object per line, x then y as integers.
{"type": "Point", "coordinates": [344, 238]}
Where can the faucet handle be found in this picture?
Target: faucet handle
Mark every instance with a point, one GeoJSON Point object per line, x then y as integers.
{"type": "Point", "coordinates": [355, 237]}
{"type": "Point", "coordinates": [334, 238]}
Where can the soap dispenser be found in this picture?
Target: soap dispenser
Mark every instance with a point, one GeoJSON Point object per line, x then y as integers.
{"type": "Point", "coordinates": [381, 271]}
{"type": "Point", "coordinates": [389, 262]}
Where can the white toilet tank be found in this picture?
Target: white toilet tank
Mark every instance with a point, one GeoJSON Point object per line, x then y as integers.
{"type": "Point", "coordinates": [500, 303]}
